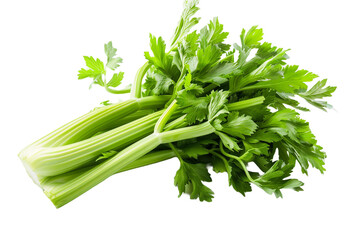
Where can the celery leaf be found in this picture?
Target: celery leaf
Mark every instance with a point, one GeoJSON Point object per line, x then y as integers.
{"type": "Point", "coordinates": [189, 180]}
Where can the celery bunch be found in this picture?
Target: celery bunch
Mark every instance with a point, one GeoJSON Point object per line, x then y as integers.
{"type": "Point", "coordinates": [201, 100]}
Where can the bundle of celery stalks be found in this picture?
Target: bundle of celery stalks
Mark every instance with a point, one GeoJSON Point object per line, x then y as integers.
{"type": "Point", "coordinates": [209, 104]}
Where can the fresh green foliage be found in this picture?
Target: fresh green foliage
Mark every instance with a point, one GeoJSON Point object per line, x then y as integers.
{"type": "Point", "coordinates": [189, 179]}
{"type": "Point", "coordinates": [112, 62]}
{"type": "Point", "coordinates": [161, 59]}
{"type": "Point", "coordinates": [157, 83]}
{"type": "Point", "coordinates": [211, 104]}
{"type": "Point", "coordinates": [116, 79]}
{"type": "Point", "coordinates": [291, 80]}
{"type": "Point", "coordinates": [318, 91]}
{"type": "Point", "coordinates": [213, 34]}
{"type": "Point", "coordinates": [194, 107]}
{"type": "Point", "coordinates": [238, 126]}
{"type": "Point", "coordinates": [186, 22]}
{"type": "Point", "coordinates": [97, 69]}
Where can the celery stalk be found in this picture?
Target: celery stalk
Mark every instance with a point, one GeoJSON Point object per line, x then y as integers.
{"type": "Point", "coordinates": [50, 161]}
{"type": "Point", "coordinates": [150, 158]}
{"type": "Point", "coordinates": [87, 123]}
{"type": "Point", "coordinates": [66, 192]}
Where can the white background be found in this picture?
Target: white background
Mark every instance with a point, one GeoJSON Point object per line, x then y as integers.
{"type": "Point", "coordinates": [41, 49]}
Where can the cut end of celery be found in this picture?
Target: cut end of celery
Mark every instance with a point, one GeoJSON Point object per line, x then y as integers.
{"type": "Point", "coordinates": [32, 174]}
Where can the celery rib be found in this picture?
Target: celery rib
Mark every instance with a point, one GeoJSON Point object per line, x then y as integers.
{"type": "Point", "coordinates": [148, 159]}
{"type": "Point", "coordinates": [57, 160]}
{"type": "Point", "coordinates": [66, 192]}
{"type": "Point", "coordinates": [69, 132]}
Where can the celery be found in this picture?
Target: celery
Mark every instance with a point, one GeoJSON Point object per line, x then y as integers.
{"type": "Point", "coordinates": [66, 192]}
{"type": "Point", "coordinates": [202, 101]}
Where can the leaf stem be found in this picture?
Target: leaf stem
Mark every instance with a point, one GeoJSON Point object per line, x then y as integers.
{"type": "Point", "coordinates": [225, 163]}
{"type": "Point", "coordinates": [176, 152]}
{"type": "Point", "coordinates": [120, 91]}
{"type": "Point", "coordinates": [178, 86]}
{"type": "Point", "coordinates": [159, 126]}
{"type": "Point", "coordinates": [177, 123]}
{"type": "Point", "coordinates": [239, 160]}
{"type": "Point", "coordinates": [210, 87]}
{"type": "Point", "coordinates": [245, 103]}
{"type": "Point", "coordinates": [136, 87]}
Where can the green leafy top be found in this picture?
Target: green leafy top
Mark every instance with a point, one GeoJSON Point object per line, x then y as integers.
{"type": "Point", "coordinates": [97, 70]}
{"type": "Point", "coordinates": [210, 81]}
{"type": "Point", "coordinates": [186, 22]}
{"type": "Point", "coordinates": [253, 134]}
{"type": "Point", "coordinates": [112, 62]}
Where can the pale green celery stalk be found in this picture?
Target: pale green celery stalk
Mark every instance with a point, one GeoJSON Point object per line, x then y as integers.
{"type": "Point", "coordinates": [58, 135]}
{"type": "Point", "coordinates": [136, 87]}
{"type": "Point", "coordinates": [245, 103]}
{"type": "Point", "coordinates": [106, 126]}
{"type": "Point", "coordinates": [87, 123]}
{"type": "Point", "coordinates": [66, 192]}
{"type": "Point", "coordinates": [132, 106]}
{"type": "Point", "coordinates": [177, 123]}
{"type": "Point", "coordinates": [50, 161]}
{"type": "Point", "coordinates": [84, 126]}
{"type": "Point", "coordinates": [118, 91]}
{"type": "Point", "coordinates": [150, 158]}
{"type": "Point", "coordinates": [159, 126]}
